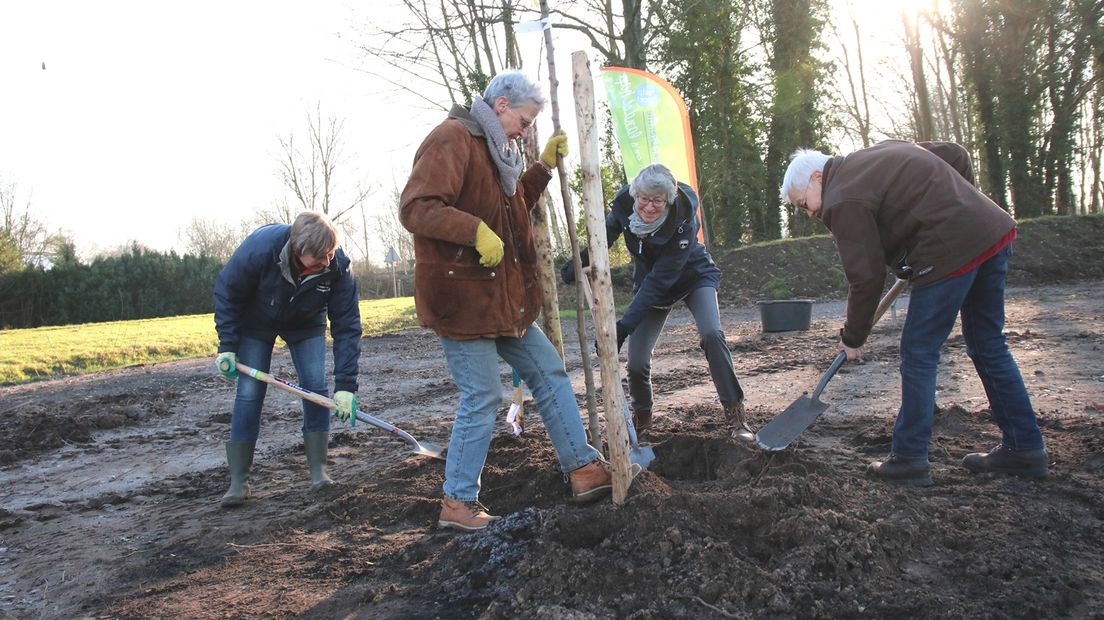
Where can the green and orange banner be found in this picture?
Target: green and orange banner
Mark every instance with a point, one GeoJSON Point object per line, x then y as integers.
{"type": "Point", "coordinates": [651, 123]}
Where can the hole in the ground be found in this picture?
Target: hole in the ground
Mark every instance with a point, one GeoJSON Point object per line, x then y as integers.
{"type": "Point", "coordinates": [695, 458]}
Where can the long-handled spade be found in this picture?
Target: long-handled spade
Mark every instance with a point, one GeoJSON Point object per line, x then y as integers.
{"type": "Point", "coordinates": [424, 449]}
{"type": "Point", "coordinates": [786, 426]}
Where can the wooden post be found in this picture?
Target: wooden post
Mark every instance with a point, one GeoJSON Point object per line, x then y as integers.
{"type": "Point", "coordinates": [604, 319]}
{"type": "Point", "coordinates": [546, 272]}
{"type": "Point", "coordinates": [595, 424]}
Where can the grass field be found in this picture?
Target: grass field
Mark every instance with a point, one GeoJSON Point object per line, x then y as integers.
{"type": "Point", "coordinates": [51, 352]}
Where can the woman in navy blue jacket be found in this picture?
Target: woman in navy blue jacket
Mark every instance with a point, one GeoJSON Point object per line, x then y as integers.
{"type": "Point", "coordinates": [658, 217]}
{"type": "Point", "coordinates": [285, 281]}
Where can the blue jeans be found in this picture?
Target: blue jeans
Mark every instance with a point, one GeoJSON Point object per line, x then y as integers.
{"type": "Point", "coordinates": [707, 316]}
{"type": "Point", "coordinates": [474, 367]}
{"type": "Point", "coordinates": [309, 357]}
{"type": "Point", "coordinates": [979, 296]}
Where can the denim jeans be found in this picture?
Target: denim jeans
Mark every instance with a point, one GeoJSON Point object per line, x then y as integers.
{"type": "Point", "coordinates": [979, 297]}
{"type": "Point", "coordinates": [309, 357]}
{"type": "Point", "coordinates": [703, 305]}
{"type": "Point", "coordinates": [474, 367]}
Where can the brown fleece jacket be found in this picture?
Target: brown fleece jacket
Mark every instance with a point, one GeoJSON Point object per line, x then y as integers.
{"type": "Point", "coordinates": [897, 197]}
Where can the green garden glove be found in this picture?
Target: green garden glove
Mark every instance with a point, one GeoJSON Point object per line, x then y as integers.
{"type": "Point", "coordinates": [227, 364]}
{"type": "Point", "coordinates": [346, 407]}
{"type": "Point", "coordinates": [557, 145]}
{"type": "Point", "coordinates": [489, 246]}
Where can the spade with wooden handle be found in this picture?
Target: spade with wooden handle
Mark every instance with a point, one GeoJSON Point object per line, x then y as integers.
{"type": "Point", "coordinates": [424, 449]}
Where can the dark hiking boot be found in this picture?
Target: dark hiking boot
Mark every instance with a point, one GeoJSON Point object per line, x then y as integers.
{"type": "Point", "coordinates": [642, 420]}
{"type": "Point", "coordinates": [239, 458]}
{"type": "Point", "coordinates": [910, 472]}
{"type": "Point", "coordinates": [1005, 460]}
{"type": "Point", "coordinates": [737, 419]}
{"type": "Point", "coordinates": [594, 481]}
{"type": "Point", "coordinates": [316, 446]}
{"type": "Point", "coordinates": [464, 516]}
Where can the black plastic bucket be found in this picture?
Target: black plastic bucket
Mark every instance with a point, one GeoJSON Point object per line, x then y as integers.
{"type": "Point", "coordinates": [786, 315]}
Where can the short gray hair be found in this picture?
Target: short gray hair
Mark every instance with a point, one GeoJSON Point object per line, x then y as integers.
{"type": "Point", "coordinates": [516, 87]}
{"type": "Point", "coordinates": [313, 234]}
{"type": "Point", "coordinates": [655, 179]}
{"type": "Point", "coordinates": [803, 163]}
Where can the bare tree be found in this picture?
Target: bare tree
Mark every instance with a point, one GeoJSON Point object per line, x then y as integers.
{"type": "Point", "coordinates": [312, 170]}
{"type": "Point", "coordinates": [24, 238]}
{"type": "Point", "coordinates": [208, 237]}
{"type": "Point", "coordinates": [391, 233]}
{"type": "Point", "coordinates": [857, 106]}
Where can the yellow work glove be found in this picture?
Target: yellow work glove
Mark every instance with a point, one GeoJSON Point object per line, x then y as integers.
{"type": "Point", "coordinates": [346, 407]}
{"type": "Point", "coordinates": [557, 145]}
{"type": "Point", "coordinates": [488, 245]}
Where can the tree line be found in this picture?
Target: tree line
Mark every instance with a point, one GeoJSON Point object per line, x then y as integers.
{"type": "Point", "coordinates": [1019, 84]}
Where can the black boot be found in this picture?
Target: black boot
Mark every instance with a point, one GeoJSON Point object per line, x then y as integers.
{"type": "Point", "coordinates": [910, 472]}
{"type": "Point", "coordinates": [1005, 460]}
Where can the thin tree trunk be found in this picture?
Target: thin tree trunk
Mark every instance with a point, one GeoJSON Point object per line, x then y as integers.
{"type": "Point", "coordinates": [595, 424]}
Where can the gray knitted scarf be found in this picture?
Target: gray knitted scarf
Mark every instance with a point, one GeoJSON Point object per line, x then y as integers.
{"type": "Point", "coordinates": [503, 150]}
{"type": "Point", "coordinates": [640, 228]}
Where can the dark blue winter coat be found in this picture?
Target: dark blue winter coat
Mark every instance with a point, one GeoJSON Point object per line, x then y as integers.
{"type": "Point", "coordinates": [259, 294]}
{"type": "Point", "coordinates": [668, 264]}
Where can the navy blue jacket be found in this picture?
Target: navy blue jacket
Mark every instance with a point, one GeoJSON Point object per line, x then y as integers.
{"type": "Point", "coordinates": [668, 264]}
{"type": "Point", "coordinates": [258, 293]}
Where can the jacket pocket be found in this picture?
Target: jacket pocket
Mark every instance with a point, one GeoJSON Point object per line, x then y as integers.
{"type": "Point", "coordinates": [467, 293]}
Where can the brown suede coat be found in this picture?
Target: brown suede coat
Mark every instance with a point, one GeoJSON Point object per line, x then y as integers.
{"type": "Point", "coordinates": [454, 185]}
{"type": "Point", "coordinates": [897, 197]}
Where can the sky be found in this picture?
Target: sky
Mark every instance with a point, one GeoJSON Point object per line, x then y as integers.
{"type": "Point", "coordinates": [148, 114]}
{"type": "Point", "coordinates": [122, 120]}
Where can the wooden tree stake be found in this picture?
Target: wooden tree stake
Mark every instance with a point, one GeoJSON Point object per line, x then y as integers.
{"type": "Point", "coordinates": [603, 310]}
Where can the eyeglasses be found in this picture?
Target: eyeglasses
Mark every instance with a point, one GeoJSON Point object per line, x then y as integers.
{"type": "Point", "coordinates": [646, 201]}
{"type": "Point", "coordinates": [526, 123]}
{"type": "Point", "coordinates": [803, 204]}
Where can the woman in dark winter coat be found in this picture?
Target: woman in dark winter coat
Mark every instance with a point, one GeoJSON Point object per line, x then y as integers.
{"type": "Point", "coordinates": [658, 217]}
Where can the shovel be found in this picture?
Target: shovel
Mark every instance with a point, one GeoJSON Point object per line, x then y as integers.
{"type": "Point", "coordinates": [786, 426]}
{"type": "Point", "coordinates": [424, 449]}
{"type": "Point", "coordinates": [639, 455]}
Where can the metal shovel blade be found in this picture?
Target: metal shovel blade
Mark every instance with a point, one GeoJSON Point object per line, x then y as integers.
{"type": "Point", "coordinates": [786, 426]}
{"type": "Point", "coordinates": [642, 456]}
{"type": "Point", "coordinates": [422, 448]}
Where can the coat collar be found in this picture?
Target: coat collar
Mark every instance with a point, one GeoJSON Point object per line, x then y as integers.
{"type": "Point", "coordinates": [463, 114]}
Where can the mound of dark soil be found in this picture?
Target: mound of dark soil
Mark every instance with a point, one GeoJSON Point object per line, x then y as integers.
{"type": "Point", "coordinates": [714, 529]}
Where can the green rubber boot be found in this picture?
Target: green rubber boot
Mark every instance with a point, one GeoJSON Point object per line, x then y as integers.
{"type": "Point", "coordinates": [315, 445]}
{"type": "Point", "coordinates": [239, 456]}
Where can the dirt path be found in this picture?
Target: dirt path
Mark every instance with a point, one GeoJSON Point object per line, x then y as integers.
{"type": "Point", "coordinates": [110, 485]}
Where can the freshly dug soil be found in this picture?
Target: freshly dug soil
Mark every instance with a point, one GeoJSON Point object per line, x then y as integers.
{"type": "Point", "coordinates": [109, 502]}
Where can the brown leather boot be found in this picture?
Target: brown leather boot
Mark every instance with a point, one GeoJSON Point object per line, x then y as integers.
{"type": "Point", "coordinates": [465, 516]}
{"type": "Point", "coordinates": [734, 414]}
{"type": "Point", "coordinates": [642, 420]}
{"type": "Point", "coordinates": [591, 482]}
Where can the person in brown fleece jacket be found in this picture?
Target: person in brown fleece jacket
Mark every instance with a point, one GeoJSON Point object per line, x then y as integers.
{"type": "Point", "coordinates": [914, 208]}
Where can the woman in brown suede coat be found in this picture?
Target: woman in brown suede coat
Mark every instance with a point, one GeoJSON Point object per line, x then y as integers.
{"type": "Point", "coordinates": [467, 202]}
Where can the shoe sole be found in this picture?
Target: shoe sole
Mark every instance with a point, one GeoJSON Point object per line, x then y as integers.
{"type": "Point", "coordinates": [456, 525]}
{"type": "Point", "coordinates": [592, 495]}
{"type": "Point", "coordinates": [598, 493]}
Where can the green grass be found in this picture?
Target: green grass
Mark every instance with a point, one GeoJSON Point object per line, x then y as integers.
{"type": "Point", "coordinates": [49, 352]}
